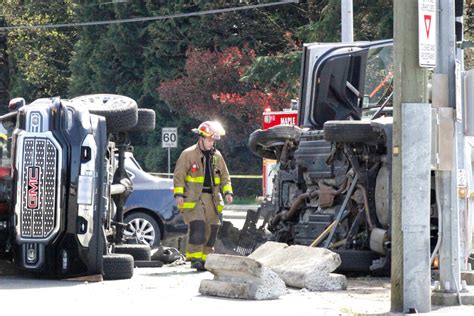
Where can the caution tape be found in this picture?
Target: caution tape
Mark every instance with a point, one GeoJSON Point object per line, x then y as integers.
{"type": "Point", "coordinates": [245, 177]}
{"type": "Point", "coordinates": [232, 176]}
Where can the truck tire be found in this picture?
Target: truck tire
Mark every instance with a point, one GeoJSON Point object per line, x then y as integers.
{"type": "Point", "coordinates": [139, 252]}
{"type": "Point", "coordinates": [264, 142]}
{"type": "Point", "coordinates": [146, 121]}
{"type": "Point", "coordinates": [120, 112]}
{"type": "Point", "coordinates": [350, 132]}
{"type": "Point", "coordinates": [117, 266]}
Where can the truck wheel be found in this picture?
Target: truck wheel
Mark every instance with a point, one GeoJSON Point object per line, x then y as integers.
{"type": "Point", "coordinates": [139, 252]}
{"type": "Point", "coordinates": [264, 143]}
{"type": "Point", "coordinates": [117, 266]}
{"type": "Point", "coordinates": [350, 132]}
{"type": "Point", "coordinates": [146, 121]}
{"type": "Point", "coordinates": [143, 227]}
{"type": "Point", "coordinates": [120, 112]}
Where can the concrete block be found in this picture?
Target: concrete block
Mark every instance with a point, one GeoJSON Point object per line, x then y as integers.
{"type": "Point", "coordinates": [233, 265]}
{"type": "Point", "coordinates": [324, 282]}
{"type": "Point", "coordinates": [226, 289]}
{"type": "Point", "coordinates": [241, 277]}
{"type": "Point", "coordinates": [452, 299]}
{"type": "Point", "coordinates": [302, 266]}
{"type": "Point", "coordinates": [468, 276]}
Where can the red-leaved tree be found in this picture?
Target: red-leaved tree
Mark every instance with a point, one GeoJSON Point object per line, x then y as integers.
{"type": "Point", "coordinates": [211, 89]}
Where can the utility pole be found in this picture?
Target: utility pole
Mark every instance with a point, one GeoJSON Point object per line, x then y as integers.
{"type": "Point", "coordinates": [347, 31]}
{"type": "Point", "coordinates": [411, 174]}
{"type": "Point", "coordinates": [449, 254]}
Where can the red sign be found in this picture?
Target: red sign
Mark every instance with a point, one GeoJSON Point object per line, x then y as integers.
{"type": "Point", "coordinates": [427, 25]}
{"type": "Point", "coordinates": [271, 119]}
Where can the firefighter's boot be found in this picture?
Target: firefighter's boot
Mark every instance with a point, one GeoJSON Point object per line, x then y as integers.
{"type": "Point", "coordinates": [198, 264]}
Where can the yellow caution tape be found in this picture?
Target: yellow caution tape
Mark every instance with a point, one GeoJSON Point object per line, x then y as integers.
{"type": "Point", "coordinates": [232, 176]}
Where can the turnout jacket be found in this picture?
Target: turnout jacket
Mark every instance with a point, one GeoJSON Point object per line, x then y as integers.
{"type": "Point", "coordinates": [189, 176]}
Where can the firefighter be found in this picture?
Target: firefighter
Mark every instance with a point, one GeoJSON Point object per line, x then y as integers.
{"type": "Point", "coordinates": [201, 179]}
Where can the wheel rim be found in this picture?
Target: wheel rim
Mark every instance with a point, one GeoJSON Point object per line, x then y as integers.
{"type": "Point", "coordinates": [141, 229]}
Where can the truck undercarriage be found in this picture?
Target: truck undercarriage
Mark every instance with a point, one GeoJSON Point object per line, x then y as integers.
{"type": "Point", "coordinates": [332, 186]}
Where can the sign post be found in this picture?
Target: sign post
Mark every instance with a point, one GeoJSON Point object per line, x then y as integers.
{"type": "Point", "coordinates": [169, 139]}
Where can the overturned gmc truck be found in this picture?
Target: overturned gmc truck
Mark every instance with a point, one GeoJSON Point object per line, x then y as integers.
{"type": "Point", "coordinates": [62, 185]}
{"type": "Point", "coordinates": [333, 183]}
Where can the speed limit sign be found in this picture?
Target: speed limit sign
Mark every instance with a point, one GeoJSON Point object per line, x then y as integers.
{"type": "Point", "coordinates": [169, 137]}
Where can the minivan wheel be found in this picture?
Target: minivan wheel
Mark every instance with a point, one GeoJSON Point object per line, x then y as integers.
{"type": "Point", "coordinates": [144, 228]}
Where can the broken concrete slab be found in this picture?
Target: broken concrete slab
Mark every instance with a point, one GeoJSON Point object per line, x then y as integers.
{"type": "Point", "coordinates": [325, 282]}
{"type": "Point", "coordinates": [241, 277]}
{"type": "Point", "coordinates": [302, 266]}
{"type": "Point", "coordinates": [468, 276]}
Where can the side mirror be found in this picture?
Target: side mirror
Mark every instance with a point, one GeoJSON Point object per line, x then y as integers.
{"type": "Point", "coordinates": [16, 103]}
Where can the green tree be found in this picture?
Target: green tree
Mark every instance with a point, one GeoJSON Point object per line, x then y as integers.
{"type": "Point", "coordinates": [92, 66]}
{"type": "Point", "coordinates": [132, 58]}
{"type": "Point", "coordinates": [211, 89]}
{"type": "Point", "coordinates": [39, 58]}
{"type": "Point", "coordinates": [263, 31]}
{"type": "Point", "coordinates": [4, 71]}
{"type": "Point", "coordinates": [469, 36]}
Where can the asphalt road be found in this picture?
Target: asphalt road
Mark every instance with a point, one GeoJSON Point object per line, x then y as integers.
{"type": "Point", "coordinates": [174, 290]}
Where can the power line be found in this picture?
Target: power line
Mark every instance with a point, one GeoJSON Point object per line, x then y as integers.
{"type": "Point", "coordinates": [145, 19]}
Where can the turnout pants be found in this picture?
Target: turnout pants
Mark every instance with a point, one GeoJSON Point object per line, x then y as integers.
{"type": "Point", "coordinates": [203, 226]}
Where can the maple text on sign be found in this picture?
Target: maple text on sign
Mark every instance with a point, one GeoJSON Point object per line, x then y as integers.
{"type": "Point", "coordinates": [271, 119]}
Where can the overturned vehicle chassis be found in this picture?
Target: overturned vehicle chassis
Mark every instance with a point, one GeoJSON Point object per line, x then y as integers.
{"type": "Point", "coordinates": [333, 183]}
{"type": "Point", "coordinates": [63, 185]}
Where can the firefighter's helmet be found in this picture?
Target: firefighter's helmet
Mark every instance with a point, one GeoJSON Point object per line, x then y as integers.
{"type": "Point", "coordinates": [211, 129]}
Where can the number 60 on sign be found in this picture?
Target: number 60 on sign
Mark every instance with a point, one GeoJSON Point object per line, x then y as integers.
{"type": "Point", "coordinates": [169, 137]}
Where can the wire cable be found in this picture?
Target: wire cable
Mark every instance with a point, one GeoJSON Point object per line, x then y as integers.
{"type": "Point", "coordinates": [146, 19]}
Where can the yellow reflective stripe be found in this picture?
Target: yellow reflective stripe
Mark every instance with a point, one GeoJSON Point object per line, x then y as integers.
{"type": "Point", "coordinates": [187, 205]}
{"type": "Point", "coordinates": [217, 180]}
{"type": "Point", "coordinates": [179, 190]}
{"type": "Point", "coordinates": [227, 188]}
{"type": "Point", "coordinates": [204, 256]}
{"type": "Point", "coordinates": [220, 208]}
{"type": "Point", "coordinates": [194, 179]}
{"type": "Point", "coordinates": [194, 255]}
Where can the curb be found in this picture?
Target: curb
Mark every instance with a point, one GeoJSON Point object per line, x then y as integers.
{"type": "Point", "coordinates": [245, 207]}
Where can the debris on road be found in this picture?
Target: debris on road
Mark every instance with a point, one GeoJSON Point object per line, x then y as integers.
{"type": "Point", "coordinates": [302, 266]}
{"type": "Point", "coordinates": [241, 277]}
